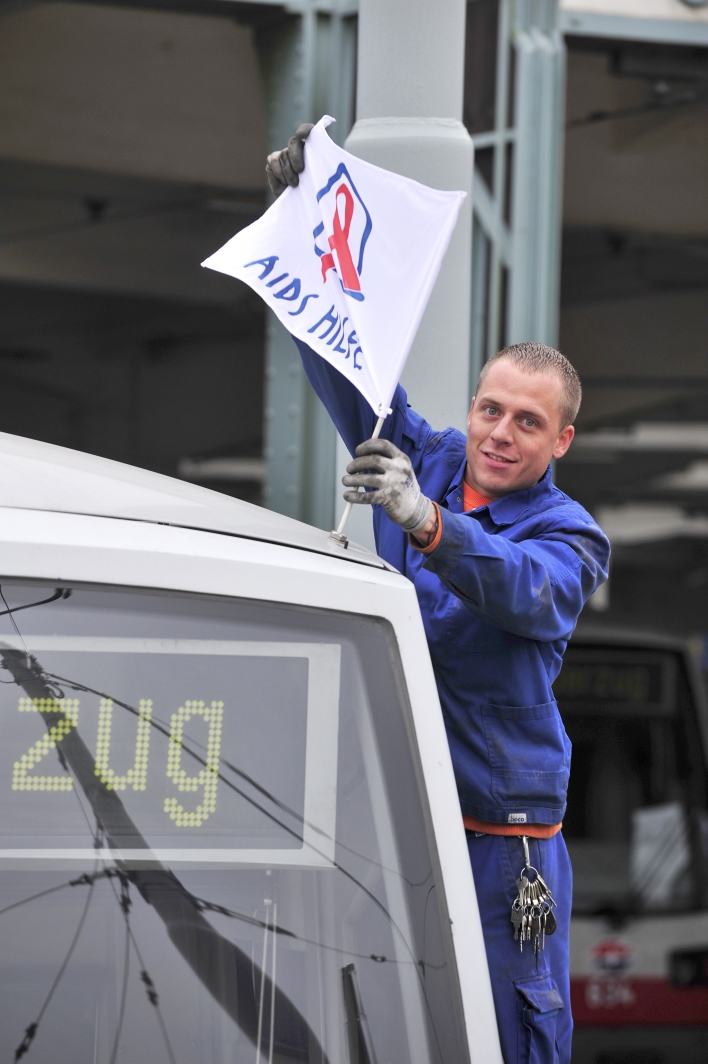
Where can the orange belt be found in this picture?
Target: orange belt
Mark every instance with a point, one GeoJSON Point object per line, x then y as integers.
{"type": "Point", "coordinates": [534, 831]}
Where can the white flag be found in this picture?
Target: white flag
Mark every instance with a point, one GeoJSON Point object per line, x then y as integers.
{"type": "Point", "coordinates": [347, 261]}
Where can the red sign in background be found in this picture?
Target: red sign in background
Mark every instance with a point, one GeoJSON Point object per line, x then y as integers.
{"type": "Point", "coordinates": [607, 1001]}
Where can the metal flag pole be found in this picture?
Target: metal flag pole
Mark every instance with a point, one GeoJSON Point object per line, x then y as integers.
{"type": "Point", "coordinates": [338, 533]}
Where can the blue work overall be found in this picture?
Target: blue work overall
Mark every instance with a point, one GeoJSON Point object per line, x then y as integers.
{"type": "Point", "coordinates": [500, 597]}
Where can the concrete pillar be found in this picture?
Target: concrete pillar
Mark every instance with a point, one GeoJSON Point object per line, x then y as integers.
{"type": "Point", "coordinates": [409, 119]}
{"type": "Point", "coordinates": [537, 185]}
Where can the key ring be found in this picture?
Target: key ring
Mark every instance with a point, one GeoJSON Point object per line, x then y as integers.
{"type": "Point", "coordinates": [529, 868]}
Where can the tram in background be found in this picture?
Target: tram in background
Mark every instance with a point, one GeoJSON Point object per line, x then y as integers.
{"type": "Point", "coordinates": [226, 786]}
{"type": "Point", "coordinates": [637, 833]}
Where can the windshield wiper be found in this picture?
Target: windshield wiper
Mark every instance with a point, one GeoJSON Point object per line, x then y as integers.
{"type": "Point", "coordinates": [61, 592]}
{"type": "Point", "coordinates": [221, 967]}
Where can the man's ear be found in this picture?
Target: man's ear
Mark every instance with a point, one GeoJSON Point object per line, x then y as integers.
{"type": "Point", "coordinates": [469, 416]}
{"type": "Point", "coordinates": [564, 441]}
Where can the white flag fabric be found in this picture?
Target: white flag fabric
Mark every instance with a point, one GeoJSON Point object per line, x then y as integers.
{"type": "Point", "coordinates": [347, 261]}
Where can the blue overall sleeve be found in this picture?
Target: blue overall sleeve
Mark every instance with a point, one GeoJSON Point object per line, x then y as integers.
{"type": "Point", "coordinates": [534, 588]}
{"type": "Point", "coordinates": [351, 413]}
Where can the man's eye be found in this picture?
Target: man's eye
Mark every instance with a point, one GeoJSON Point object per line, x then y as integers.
{"type": "Point", "coordinates": [491, 410]}
{"type": "Point", "coordinates": [528, 422]}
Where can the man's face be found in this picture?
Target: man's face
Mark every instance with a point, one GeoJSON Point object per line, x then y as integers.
{"type": "Point", "coordinates": [514, 429]}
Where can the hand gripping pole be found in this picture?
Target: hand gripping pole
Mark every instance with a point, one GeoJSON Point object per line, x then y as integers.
{"type": "Point", "coordinates": [338, 533]}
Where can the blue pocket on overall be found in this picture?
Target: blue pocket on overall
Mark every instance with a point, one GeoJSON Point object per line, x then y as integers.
{"type": "Point", "coordinates": [529, 756]}
{"type": "Point", "coordinates": [540, 1004]}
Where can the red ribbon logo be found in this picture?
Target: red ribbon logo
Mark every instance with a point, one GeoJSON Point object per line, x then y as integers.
{"type": "Point", "coordinates": [339, 242]}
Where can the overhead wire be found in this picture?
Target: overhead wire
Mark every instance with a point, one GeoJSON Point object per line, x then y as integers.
{"type": "Point", "coordinates": [150, 989]}
{"type": "Point", "coordinates": [162, 727]}
{"type": "Point", "coordinates": [34, 897]}
{"type": "Point", "coordinates": [14, 624]}
{"type": "Point", "coordinates": [31, 1030]}
{"type": "Point", "coordinates": [125, 903]}
{"type": "Point", "coordinates": [203, 905]}
{"type": "Point", "coordinates": [123, 996]}
{"type": "Point", "coordinates": [349, 875]}
{"type": "Point", "coordinates": [345, 872]}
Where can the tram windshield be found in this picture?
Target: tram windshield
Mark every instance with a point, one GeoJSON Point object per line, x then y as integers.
{"type": "Point", "coordinates": [636, 800]}
{"type": "Point", "coordinates": [213, 843]}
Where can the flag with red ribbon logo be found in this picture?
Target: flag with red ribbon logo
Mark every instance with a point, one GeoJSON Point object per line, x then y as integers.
{"type": "Point", "coordinates": [347, 261]}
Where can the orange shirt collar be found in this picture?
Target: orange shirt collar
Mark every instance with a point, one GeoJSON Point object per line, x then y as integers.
{"type": "Point", "coordinates": [472, 498]}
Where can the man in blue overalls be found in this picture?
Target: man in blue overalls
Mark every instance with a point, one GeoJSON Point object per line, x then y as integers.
{"type": "Point", "coordinates": [502, 562]}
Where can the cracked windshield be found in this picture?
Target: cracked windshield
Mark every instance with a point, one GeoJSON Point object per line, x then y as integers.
{"type": "Point", "coordinates": [213, 846]}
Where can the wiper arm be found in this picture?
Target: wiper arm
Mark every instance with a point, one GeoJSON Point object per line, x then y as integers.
{"type": "Point", "coordinates": [221, 967]}
{"type": "Point", "coordinates": [61, 592]}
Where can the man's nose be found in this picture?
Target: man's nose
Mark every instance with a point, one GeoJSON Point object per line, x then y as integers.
{"type": "Point", "coordinates": [501, 432]}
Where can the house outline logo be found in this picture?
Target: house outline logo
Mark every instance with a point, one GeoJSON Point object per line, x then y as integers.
{"type": "Point", "coordinates": [351, 229]}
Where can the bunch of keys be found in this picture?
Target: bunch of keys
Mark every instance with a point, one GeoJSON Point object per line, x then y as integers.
{"type": "Point", "coordinates": [532, 910]}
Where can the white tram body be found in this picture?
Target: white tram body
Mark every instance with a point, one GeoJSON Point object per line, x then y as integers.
{"type": "Point", "coordinates": [230, 829]}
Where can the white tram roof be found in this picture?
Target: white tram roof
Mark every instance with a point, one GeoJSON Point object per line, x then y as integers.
{"type": "Point", "coordinates": [42, 476]}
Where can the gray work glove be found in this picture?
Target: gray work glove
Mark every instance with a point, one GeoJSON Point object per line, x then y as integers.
{"type": "Point", "coordinates": [380, 465]}
{"type": "Point", "coordinates": [283, 167]}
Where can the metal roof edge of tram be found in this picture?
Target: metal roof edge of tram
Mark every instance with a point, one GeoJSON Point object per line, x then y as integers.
{"type": "Point", "coordinates": [43, 476]}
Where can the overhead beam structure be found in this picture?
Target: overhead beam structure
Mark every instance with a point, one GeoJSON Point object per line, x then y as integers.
{"type": "Point", "coordinates": [500, 274]}
{"type": "Point", "coordinates": [628, 21]}
{"type": "Point", "coordinates": [518, 190]}
{"type": "Point", "coordinates": [409, 120]}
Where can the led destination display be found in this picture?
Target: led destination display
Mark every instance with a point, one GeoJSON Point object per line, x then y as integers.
{"type": "Point", "coordinates": [171, 728]}
{"type": "Point", "coordinates": [618, 681]}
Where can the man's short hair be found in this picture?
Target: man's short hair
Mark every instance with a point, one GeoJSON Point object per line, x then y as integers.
{"type": "Point", "coordinates": [537, 358]}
